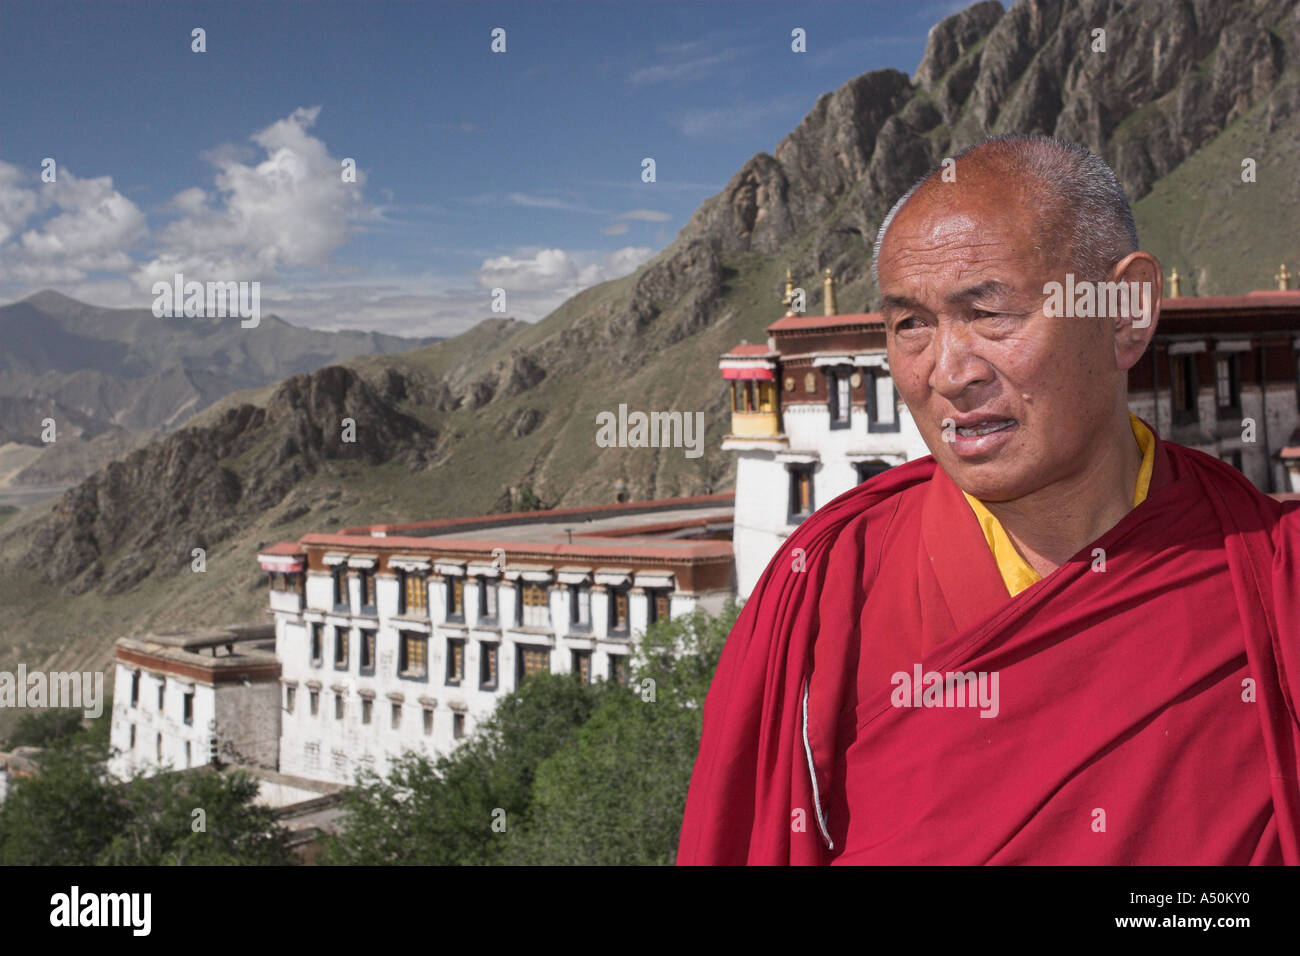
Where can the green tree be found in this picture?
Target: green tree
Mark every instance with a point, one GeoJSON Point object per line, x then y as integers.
{"type": "Point", "coordinates": [66, 814]}
{"type": "Point", "coordinates": [73, 813]}
{"type": "Point", "coordinates": [442, 812]}
{"type": "Point", "coordinates": [616, 793]}
{"type": "Point", "coordinates": [200, 818]}
{"type": "Point", "coordinates": [42, 728]}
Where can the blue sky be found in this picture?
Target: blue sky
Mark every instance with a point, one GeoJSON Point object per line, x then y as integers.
{"type": "Point", "coordinates": [519, 170]}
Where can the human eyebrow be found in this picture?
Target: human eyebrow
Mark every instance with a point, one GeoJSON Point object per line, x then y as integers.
{"type": "Point", "coordinates": [982, 290]}
{"type": "Point", "coordinates": [891, 303]}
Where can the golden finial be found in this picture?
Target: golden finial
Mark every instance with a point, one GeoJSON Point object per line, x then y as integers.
{"type": "Point", "coordinates": [1283, 279]}
{"type": "Point", "coordinates": [788, 301]}
{"type": "Point", "coordinates": [829, 294]}
{"type": "Point", "coordinates": [1173, 283]}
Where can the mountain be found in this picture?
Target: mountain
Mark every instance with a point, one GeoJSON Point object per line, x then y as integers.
{"type": "Point", "coordinates": [1185, 91]}
{"type": "Point", "coordinates": [117, 375]}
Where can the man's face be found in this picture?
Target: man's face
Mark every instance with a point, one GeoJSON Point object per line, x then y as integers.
{"type": "Point", "coordinates": [1026, 395]}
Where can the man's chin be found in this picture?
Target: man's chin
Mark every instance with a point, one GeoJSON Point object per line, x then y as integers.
{"type": "Point", "coordinates": [984, 481]}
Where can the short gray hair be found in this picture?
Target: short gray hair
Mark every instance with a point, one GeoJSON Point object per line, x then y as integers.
{"type": "Point", "coordinates": [1088, 198]}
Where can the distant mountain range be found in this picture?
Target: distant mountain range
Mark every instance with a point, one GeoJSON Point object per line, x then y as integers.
{"type": "Point", "coordinates": [112, 378]}
{"type": "Point", "coordinates": [1186, 89]}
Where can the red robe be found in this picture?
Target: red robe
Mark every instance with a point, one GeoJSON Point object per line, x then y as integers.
{"type": "Point", "coordinates": [1146, 712]}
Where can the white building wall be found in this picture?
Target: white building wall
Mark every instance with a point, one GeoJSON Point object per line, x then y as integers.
{"type": "Point", "coordinates": [150, 722]}
{"type": "Point", "coordinates": [761, 522]}
{"type": "Point", "coordinates": [324, 747]}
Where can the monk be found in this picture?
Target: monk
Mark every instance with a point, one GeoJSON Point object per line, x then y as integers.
{"type": "Point", "coordinates": [1057, 639]}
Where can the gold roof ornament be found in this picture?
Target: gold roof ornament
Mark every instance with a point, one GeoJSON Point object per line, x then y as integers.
{"type": "Point", "coordinates": [828, 296]}
{"type": "Point", "coordinates": [1283, 279]}
{"type": "Point", "coordinates": [788, 300]}
{"type": "Point", "coordinates": [1174, 278]}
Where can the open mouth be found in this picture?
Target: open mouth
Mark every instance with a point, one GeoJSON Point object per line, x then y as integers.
{"type": "Point", "coordinates": [985, 428]}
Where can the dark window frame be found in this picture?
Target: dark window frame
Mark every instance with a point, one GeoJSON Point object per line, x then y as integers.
{"type": "Point", "coordinates": [795, 469]}
{"type": "Point", "coordinates": [449, 600]}
{"type": "Point", "coordinates": [575, 657]}
{"type": "Point", "coordinates": [369, 642]}
{"type": "Point", "coordinates": [369, 587]}
{"type": "Point", "coordinates": [834, 374]}
{"type": "Point", "coordinates": [457, 679]}
{"type": "Point", "coordinates": [866, 470]}
{"type": "Point", "coordinates": [614, 592]}
{"type": "Point", "coordinates": [341, 643]}
{"type": "Point", "coordinates": [1192, 385]}
{"type": "Point", "coordinates": [1233, 409]}
{"type": "Point", "coordinates": [874, 424]}
{"type": "Point", "coordinates": [484, 583]}
{"type": "Point", "coordinates": [342, 593]}
{"type": "Point", "coordinates": [489, 651]}
{"type": "Point", "coordinates": [575, 625]}
{"type": "Point", "coordinates": [521, 652]}
{"type": "Point", "coordinates": [404, 671]}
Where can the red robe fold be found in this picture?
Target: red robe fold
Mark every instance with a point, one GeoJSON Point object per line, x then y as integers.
{"type": "Point", "coordinates": [1146, 713]}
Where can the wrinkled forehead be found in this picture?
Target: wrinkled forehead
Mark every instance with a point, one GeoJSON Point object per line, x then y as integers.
{"type": "Point", "coordinates": [980, 223]}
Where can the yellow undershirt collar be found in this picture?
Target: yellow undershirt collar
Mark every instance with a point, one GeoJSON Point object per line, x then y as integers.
{"type": "Point", "coordinates": [1016, 572]}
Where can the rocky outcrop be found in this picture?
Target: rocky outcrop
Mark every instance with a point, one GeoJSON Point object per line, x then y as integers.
{"type": "Point", "coordinates": [148, 511]}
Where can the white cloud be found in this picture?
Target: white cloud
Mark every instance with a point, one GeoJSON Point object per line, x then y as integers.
{"type": "Point", "coordinates": [89, 227]}
{"type": "Point", "coordinates": [538, 280]}
{"type": "Point", "coordinates": [292, 209]}
{"type": "Point", "coordinates": [645, 215]}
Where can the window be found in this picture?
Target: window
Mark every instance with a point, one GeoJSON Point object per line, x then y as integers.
{"type": "Point", "coordinates": [455, 660]}
{"type": "Point", "coordinates": [415, 593]}
{"type": "Point", "coordinates": [367, 579]}
{"type": "Point", "coordinates": [579, 607]}
{"type": "Point", "coordinates": [487, 666]}
{"type": "Point", "coordinates": [286, 581]}
{"type": "Point", "coordinates": [618, 668]}
{"type": "Point", "coordinates": [1183, 388]}
{"type": "Point", "coordinates": [189, 755]}
{"type": "Point", "coordinates": [162, 687]}
{"type": "Point", "coordinates": [397, 716]}
{"type": "Point", "coordinates": [455, 599]}
{"type": "Point", "coordinates": [340, 573]}
{"type": "Point", "coordinates": [135, 688]}
{"type": "Point", "coordinates": [487, 600]}
{"type": "Point", "coordinates": [367, 652]}
{"type": "Point", "coordinates": [532, 660]}
{"type": "Point", "coordinates": [801, 493]}
{"type": "Point", "coordinates": [158, 747]}
{"type": "Point", "coordinates": [458, 725]}
{"type": "Point", "coordinates": [657, 605]}
{"type": "Point", "coordinates": [367, 709]}
{"type": "Point", "coordinates": [839, 396]}
{"type": "Point", "coordinates": [618, 616]}
{"type": "Point", "coordinates": [315, 703]}
{"type": "Point", "coordinates": [536, 609]}
{"type": "Point", "coordinates": [1227, 385]}
{"type": "Point", "coordinates": [340, 649]}
{"type": "Point", "coordinates": [413, 655]}
{"type": "Point", "coordinates": [290, 692]}
{"type": "Point", "coordinates": [766, 396]}
{"type": "Point", "coordinates": [317, 643]}
{"type": "Point", "coordinates": [428, 721]}
{"type": "Point", "coordinates": [582, 666]}
{"type": "Point", "coordinates": [869, 469]}
{"type": "Point", "coordinates": [187, 708]}
{"type": "Point", "coordinates": [133, 736]}
{"type": "Point", "coordinates": [338, 706]}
